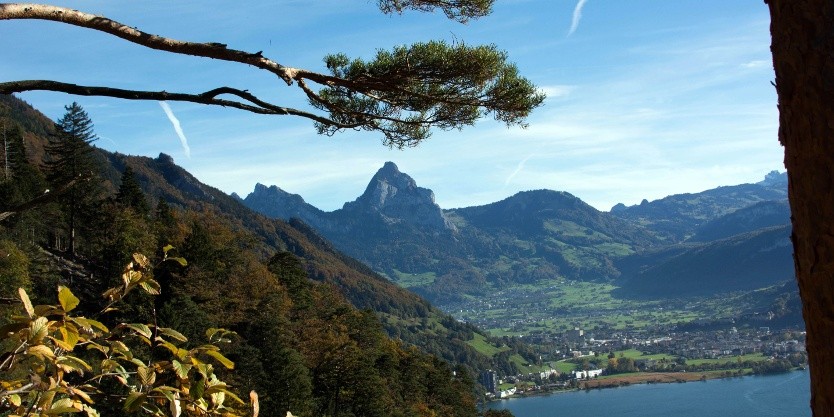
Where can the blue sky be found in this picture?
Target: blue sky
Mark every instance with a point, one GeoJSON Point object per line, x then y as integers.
{"type": "Point", "coordinates": [646, 97]}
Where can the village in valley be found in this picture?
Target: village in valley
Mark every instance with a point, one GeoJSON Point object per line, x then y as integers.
{"type": "Point", "coordinates": [584, 360]}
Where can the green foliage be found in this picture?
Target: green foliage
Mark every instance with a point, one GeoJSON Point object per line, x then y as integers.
{"type": "Point", "coordinates": [14, 269]}
{"type": "Point", "coordinates": [20, 180]}
{"type": "Point", "coordinates": [286, 381]}
{"type": "Point", "coordinates": [460, 10]}
{"type": "Point", "coordinates": [56, 362]}
{"type": "Point", "coordinates": [406, 91]}
{"type": "Point", "coordinates": [289, 271]}
{"type": "Point", "coordinates": [130, 193]}
{"type": "Point", "coordinates": [12, 150]}
{"type": "Point", "coordinates": [620, 366]}
{"type": "Point", "coordinates": [127, 232]}
{"type": "Point", "coordinates": [69, 150]}
{"type": "Point", "coordinates": [70, 160]}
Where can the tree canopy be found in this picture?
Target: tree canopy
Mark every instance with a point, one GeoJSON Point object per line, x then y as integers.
{"type": "Point", "coordinates": [402, 93]}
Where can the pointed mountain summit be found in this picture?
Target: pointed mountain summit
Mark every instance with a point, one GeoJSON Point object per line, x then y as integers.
{"type": "Point", "coordinates": [396, 197]}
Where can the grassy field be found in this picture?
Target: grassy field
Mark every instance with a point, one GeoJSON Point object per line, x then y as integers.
{"type": "Point", "coordinates": [754, 357]}
{"type": "Point", "coordinates": [484, 347]}
{"type": "Point", "coordinates": [557, 305]}
{"type": "Point", "coordinates": [636, 354]}
{"type": "Point", "coordinates": [565, 367]}
{"type": "Point", "coordinates": [413, 280]}
{"type": "Point", "coordinates": [647, 377]}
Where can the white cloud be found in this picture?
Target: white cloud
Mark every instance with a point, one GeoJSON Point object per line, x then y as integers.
{"type": "Point", "coordinates": [577, 16]}
{"type": "Point", "coordinates": [177, 127]}
{"type": "Point", "coordinates": [556, 91]}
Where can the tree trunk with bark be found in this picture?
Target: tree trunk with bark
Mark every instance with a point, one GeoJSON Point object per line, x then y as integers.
{"type": "Point", "coordinates": [803, 58]}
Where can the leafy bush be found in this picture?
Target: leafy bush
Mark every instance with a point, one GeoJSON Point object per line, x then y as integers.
{"type": "Point", "coordinates": [55, 362]}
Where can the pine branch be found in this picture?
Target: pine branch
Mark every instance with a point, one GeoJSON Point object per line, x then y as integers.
{"type": "Point", "coordinates": [401, 94]}
{"type": "Point", "coordinates": [460, 10]}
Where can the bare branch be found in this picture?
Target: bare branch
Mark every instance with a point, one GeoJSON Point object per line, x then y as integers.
{"type": "Point", "coordinates": [46, 197]}
{"type": "Point", "coordinates": [209, 97]}
{"type": "Point", "coordinates": [9, 11]}
{"type": "Point", "coordinates": [23, 389]}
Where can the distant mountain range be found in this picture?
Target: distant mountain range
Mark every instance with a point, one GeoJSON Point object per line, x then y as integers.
{"type": "Point", "coordinates": [724, 239]}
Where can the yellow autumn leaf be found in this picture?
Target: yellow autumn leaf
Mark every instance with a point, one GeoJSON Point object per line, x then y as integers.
{"type": "Point", "coordinates": [67, 299]}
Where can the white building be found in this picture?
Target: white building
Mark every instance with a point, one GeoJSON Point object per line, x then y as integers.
{"type": "Point", "coordinates": [507, 393]}
{"type": "Point", "coordinates": [591, 373]}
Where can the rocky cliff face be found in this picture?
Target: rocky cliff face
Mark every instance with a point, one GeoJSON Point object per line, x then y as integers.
{"type": "Point", "coordinates": [275, 202]}
{"type": "Point", "coordinates": [391, 198]}
{"type": "Point", "coordinates": [396, 198]}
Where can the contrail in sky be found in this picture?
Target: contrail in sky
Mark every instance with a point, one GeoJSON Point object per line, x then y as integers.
{"type": "Point", "coordinates": [577, 15]}
{"type": "Point", "coordinates": [517, 169]}
{"type": "Point", "coordinates": [176, 123]}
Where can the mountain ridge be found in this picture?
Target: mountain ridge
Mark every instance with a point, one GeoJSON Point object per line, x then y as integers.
{"type": "Point", "coordinates": [527, 236]}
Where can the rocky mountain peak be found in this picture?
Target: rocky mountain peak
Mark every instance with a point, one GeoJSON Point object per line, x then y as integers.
{"type": "Point", "coordinates": [264, 189]}
{"type": "Point", "coordinates": [275, 202]}
{"type": "Point", "coordinates": [390, 169]}
{"type": "Point", "coordinates": [775, 179]}
{"type": "Point", "coordinates": [618, 207]}
{"type": "Point", "coordinates": [389, 186]}
{"type": "Point", "coordinates": [164, 158]}
{"type": "Point", "coordinates": [397, 197]}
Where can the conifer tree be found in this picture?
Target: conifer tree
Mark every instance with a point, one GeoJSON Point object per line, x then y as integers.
{"type": "Point", "coordinates": [70, 158]}
{"type": "Point", "coordinates": [20, 181]}
{"type": "Point", "coordinates": [130, 193]}
{"type": "Point", "coordinates": [13, 160]}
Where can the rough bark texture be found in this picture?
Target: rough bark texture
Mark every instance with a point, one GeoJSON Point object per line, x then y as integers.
{"type": "Point", "coordinates": [803, 58]}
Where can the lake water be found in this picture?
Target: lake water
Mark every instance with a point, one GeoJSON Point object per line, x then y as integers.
{"type": "Point", "coordinates": [751, 396]}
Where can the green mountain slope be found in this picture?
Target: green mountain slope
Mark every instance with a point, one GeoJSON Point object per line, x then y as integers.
{"type": "Point", "coordinates": [747, 219]}
{"type": "Point", "coordinates": [560, 228]}
{"type": "Point", "coordinates": [319, 309]}
{"type": "Point", "coordinates": [743, 262]}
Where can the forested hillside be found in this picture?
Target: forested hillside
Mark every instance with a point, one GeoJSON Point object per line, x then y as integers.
{"type": "Point", "coordinates": [312, 325]}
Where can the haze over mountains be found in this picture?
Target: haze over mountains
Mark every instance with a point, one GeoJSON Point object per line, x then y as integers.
{"type": "Point", "coordinates": [724, 239]}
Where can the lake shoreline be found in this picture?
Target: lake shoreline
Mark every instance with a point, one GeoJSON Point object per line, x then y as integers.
{"type": "Point", "coordinates": [783, 394]}
{"type": "Point", "coordinates": [618, 381]}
